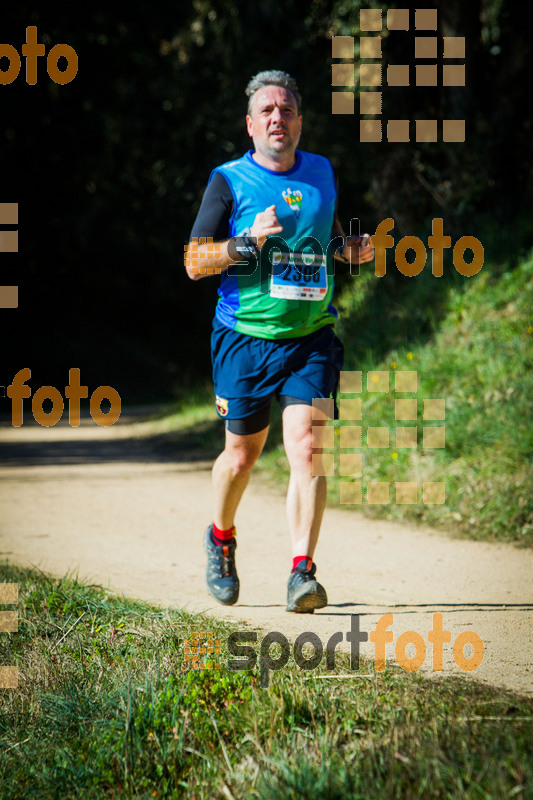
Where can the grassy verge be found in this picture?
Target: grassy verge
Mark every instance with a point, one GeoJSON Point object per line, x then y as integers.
{"type": "Point", "coordinates": [480, 362]}
{"type": "Point", "coordinates": [105, 710]}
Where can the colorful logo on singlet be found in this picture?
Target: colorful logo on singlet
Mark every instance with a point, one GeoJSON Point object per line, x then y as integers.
{"type": "Point", "coordinates": [293, 199]}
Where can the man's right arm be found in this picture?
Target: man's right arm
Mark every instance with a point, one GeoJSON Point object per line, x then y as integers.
{"type": "Point", "coordinates": [212, 223]}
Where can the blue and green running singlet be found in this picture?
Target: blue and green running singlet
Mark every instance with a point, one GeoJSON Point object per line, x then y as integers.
{"type": "Point", "coordinates": [295, 299]}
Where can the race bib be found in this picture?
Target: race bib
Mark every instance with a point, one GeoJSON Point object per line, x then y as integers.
{"type": "Point", "coordinates": [300, 276]}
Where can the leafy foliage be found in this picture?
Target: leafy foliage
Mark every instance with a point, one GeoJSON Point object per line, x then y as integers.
{"type": "Point", "coordinates": [109, 170]}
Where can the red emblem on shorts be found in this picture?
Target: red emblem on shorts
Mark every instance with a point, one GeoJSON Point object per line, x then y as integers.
{"type": "Point", "coordinates": [222, 405]}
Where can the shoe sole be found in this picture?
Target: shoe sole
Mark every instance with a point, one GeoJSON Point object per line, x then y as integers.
{"type": "Point", "coordinates": [224, 602]}
{"type": "Point", "coordinates": [306, 603]}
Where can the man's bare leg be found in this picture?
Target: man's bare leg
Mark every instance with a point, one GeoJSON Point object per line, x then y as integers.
{"type": "Point", "coordinates": [231, 473]}
{"type": "Point", "coordinates": [306, 497]}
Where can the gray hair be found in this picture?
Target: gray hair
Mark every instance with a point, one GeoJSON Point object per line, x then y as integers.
{"type": "Point", "coordinates": [272, 77]}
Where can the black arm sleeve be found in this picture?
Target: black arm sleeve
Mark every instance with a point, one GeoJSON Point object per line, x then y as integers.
{"type": "Point", "coordinates": [215, 212]}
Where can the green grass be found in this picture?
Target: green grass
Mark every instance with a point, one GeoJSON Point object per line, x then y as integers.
{"type": "Point", "coordinates": [105, 710]}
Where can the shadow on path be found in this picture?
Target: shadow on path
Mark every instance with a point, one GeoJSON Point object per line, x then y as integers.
{"type": "Point", "coordinates": [202, 443]}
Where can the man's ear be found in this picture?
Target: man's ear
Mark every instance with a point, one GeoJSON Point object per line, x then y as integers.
{"type": "Point", "coordinates": [249, 125]}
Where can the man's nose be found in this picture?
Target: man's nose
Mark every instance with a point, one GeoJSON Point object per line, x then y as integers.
{"type": "Point", "coordinates": [276, 114]}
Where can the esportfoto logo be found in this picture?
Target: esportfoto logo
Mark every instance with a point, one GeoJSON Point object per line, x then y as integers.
{"type": "Point", "coordinates": [240, 645]}
{"type": "Point", "coordinates": [373, 81]}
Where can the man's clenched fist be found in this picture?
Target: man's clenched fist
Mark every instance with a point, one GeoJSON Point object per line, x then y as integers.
{"type": "Point", "coordinates": [265, 224]}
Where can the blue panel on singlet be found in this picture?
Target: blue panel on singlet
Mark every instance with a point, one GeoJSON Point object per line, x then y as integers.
{"type": "Point", "coordinates": [305, 198]}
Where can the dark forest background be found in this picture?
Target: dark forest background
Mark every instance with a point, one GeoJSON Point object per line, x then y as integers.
{"type": "Point", "coordinates": [109, 172]}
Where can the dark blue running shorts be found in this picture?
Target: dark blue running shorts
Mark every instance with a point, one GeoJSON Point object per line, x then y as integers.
{"type": "Point", "coordinates": [248, 372]}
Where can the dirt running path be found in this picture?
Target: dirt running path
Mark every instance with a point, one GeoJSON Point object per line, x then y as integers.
{"type": "Point", "coordinates": [108, 503]}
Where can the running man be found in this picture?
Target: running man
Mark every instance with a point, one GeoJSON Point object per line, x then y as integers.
{"type": "Point", "coordinates": [272, 338]}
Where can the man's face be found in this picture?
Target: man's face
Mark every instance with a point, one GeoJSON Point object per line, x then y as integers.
{"type": "Point", "coordinates": [274, 124]}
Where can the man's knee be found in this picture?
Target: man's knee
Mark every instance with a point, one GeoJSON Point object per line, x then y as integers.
{"type": "Point", "coordinates": [299, 448]}
{"type": "Point", "coordinates": [303, 438]}
{"type": "Point", "coordinates": [242, 459]}
{"type": "Point", "coordinates": [242, 451]}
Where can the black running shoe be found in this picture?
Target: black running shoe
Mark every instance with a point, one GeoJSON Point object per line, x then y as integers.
{"type": "Point", "coordinates": [221, 575]}
{"type": "Point", "coordinates": [304, 593]}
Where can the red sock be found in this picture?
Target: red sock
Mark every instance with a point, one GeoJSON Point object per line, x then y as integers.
{"type": "Point", "coordinates": [221, 537]}
{"type": "Point", "coordinates": [296, 560]}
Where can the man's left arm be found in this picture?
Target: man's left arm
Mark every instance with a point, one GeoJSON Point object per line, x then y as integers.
{"type": "Point", "coordinates": [356, 250]}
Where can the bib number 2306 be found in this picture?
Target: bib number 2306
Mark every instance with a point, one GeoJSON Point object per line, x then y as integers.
{"type": "Point", "coordinates": [300, 276]}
